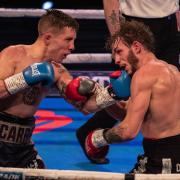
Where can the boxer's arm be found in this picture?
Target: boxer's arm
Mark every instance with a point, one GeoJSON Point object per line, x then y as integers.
{"type": "Point", "coordinates": [68, 89]}
{"type": "Point", "coordinates": [95, 98]}
{"type": "Point", "coordinates": [117, 110]}
{"type": "Point", "coordinates": [99, 100]}
{"type": "Point", "coordinates": [3, 90]}
{"type": "Point", "coordinates": [112, 15]}
{"type": "Point", "coordinates": [105, 97]}
{"type": "Point", "coordinates": [87, 95]}
{"type": "Point", "coordinates": [63, 79]}
{"type": "Point", "coordinates": [7, 69]}
{"type": "Point", "coordinates": [88, 103]}
{"type": "Point", "coordinates": [131, 124]}
{"type": "Point", "coordinates": [178, 20]}
{"type": "Point", "coordinates": [62, 76]}
{"type": "Point", "coordinates": [36, 73]}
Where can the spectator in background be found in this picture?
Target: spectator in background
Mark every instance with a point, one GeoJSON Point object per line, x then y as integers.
{"type": "Point", "coordinates": [163, 19]}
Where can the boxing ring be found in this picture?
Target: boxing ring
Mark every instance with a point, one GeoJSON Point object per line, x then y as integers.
{"type": "Point", "coordinates": [56, 122]}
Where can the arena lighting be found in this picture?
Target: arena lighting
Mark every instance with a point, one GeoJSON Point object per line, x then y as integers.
{"type": "Point", "coordinates": [47, 5]}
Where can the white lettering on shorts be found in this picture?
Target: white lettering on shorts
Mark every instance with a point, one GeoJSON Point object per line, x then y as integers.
{"type": "Point", "coordinates": [142, 165]}
{"type": "Point", "coordinates": [15, 133]}
{"type": "Point", "coordinates": [166, 166]}
{"type": "Point", "coordinates": [177, 167]}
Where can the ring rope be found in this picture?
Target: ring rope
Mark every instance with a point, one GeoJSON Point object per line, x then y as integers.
{"type": "Point", "coordinates": [88, 58]}
{"type": "Point", "coordinates": [23, 174]}
{"type": "Point", "coordinates": [75, 13]}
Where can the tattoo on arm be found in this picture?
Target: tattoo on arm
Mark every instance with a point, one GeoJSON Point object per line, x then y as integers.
{"type": "Point", "coordinates": [114, 135]}
{"type": "Point", "coordinates": [113, 18]}
{"type": "Point", "coordinates": [61, 83]}
{"type": "Point", "coordinates": [61, 86]}
{"type": "Point", "coordinates": [62, 69]}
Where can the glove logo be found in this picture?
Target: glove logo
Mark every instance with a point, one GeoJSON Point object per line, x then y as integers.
{"type": "Point", "coordinates": [35, 71]}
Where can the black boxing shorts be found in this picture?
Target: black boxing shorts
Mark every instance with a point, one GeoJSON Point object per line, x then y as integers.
{"type": "Point", "coordinates": [16, 147]}
{"type": "Point", "coordinates": [160, 156]}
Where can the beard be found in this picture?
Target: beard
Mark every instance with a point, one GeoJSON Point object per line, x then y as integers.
{"type": "Point", "coordinates": [133, 61]}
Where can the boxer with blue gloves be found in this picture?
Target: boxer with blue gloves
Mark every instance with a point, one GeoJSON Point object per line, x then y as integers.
{"type": "Point", "coordinates": [120, 82]}
{"type": "Point", "coordinates": [27, 72]}
{"type": "Point", "coordinates": [36, 73]}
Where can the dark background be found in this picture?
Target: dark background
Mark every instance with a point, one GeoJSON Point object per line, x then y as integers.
{"type": "Point", "coordinates": [65, 4]}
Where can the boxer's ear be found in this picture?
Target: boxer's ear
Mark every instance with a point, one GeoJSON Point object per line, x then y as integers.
{"type": "Point", "coordinates": [136, 47]}
{"type": "Point", "coordinates": [47, 38]}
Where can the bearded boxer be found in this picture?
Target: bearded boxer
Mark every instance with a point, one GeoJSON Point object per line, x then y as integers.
{"type": "Point", "coordinates": [153, 107]}
{"type": "Point", "coordinates": [164, 22]}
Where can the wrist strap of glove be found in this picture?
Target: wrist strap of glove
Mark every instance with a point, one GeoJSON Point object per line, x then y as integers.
{"type": "Point", "coordinates": [103, 98]}
{"type": "Point", "coordinates": [98, 139]}
{"type": "Point", "coordinates": [15, 83]}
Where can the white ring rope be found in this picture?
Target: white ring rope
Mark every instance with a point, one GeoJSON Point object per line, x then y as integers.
{"type": "Point", "coordinates": [20, 173]}
{"type": "Point", "coordinates": [88, 58]}
{"type": "Point", "coordinates": [75, 13]}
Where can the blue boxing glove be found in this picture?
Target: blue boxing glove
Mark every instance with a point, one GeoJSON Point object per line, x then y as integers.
{"type": "Point", "coordinates": [39, 72]}
{"type": "Point", "coordinates": [32, 75]}
{"type": "Point", "coordinates": [120, 84]}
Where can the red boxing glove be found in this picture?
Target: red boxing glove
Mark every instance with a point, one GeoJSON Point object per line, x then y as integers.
{"type": "Point", "coordinates": [79, 89]}
{"type": "Point", "coordinates": [72, 90]}
{"type": "Point", "coordinates": [115, 74]}
{"type": "Point", "coordinates": [95, 145]}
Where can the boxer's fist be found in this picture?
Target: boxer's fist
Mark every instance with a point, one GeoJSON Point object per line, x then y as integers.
{"type": "Point", "coordinates": [95, 145]}
{"type": "Point", "coordinates": [79, 89]}
{"type": "Point", "coordinates": [120, 84]}
{"type": "Point", "coordinates": [32, 75]}
{"type": "Point", "coordinates": [39, 73]}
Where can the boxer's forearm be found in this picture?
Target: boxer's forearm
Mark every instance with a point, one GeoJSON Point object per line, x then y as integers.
{"type": "Point", "coordinates": [85, 94]}
{"type": "Point", "coordinates": [117, 110]}
{"type": "Point", "coordinates": [63, 79]}
{"type": "Point", "coordinates": [62, 76]}
{"type": "Point", "coordinates": [178, 20]}
{"type": "Point", "coordinates": [98, 101]}
{"type": "Point", "coordinates": [99, 98]}
{"type": "Point", "coordinates": [112, 15]}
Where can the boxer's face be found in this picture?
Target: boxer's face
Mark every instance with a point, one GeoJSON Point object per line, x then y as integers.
{"type": "Point", "coordinates": [124, 56]}
{"type": "Point", "coordinates": [61, 44]}
{"type": "Point", "coordinates": [120, 54]}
